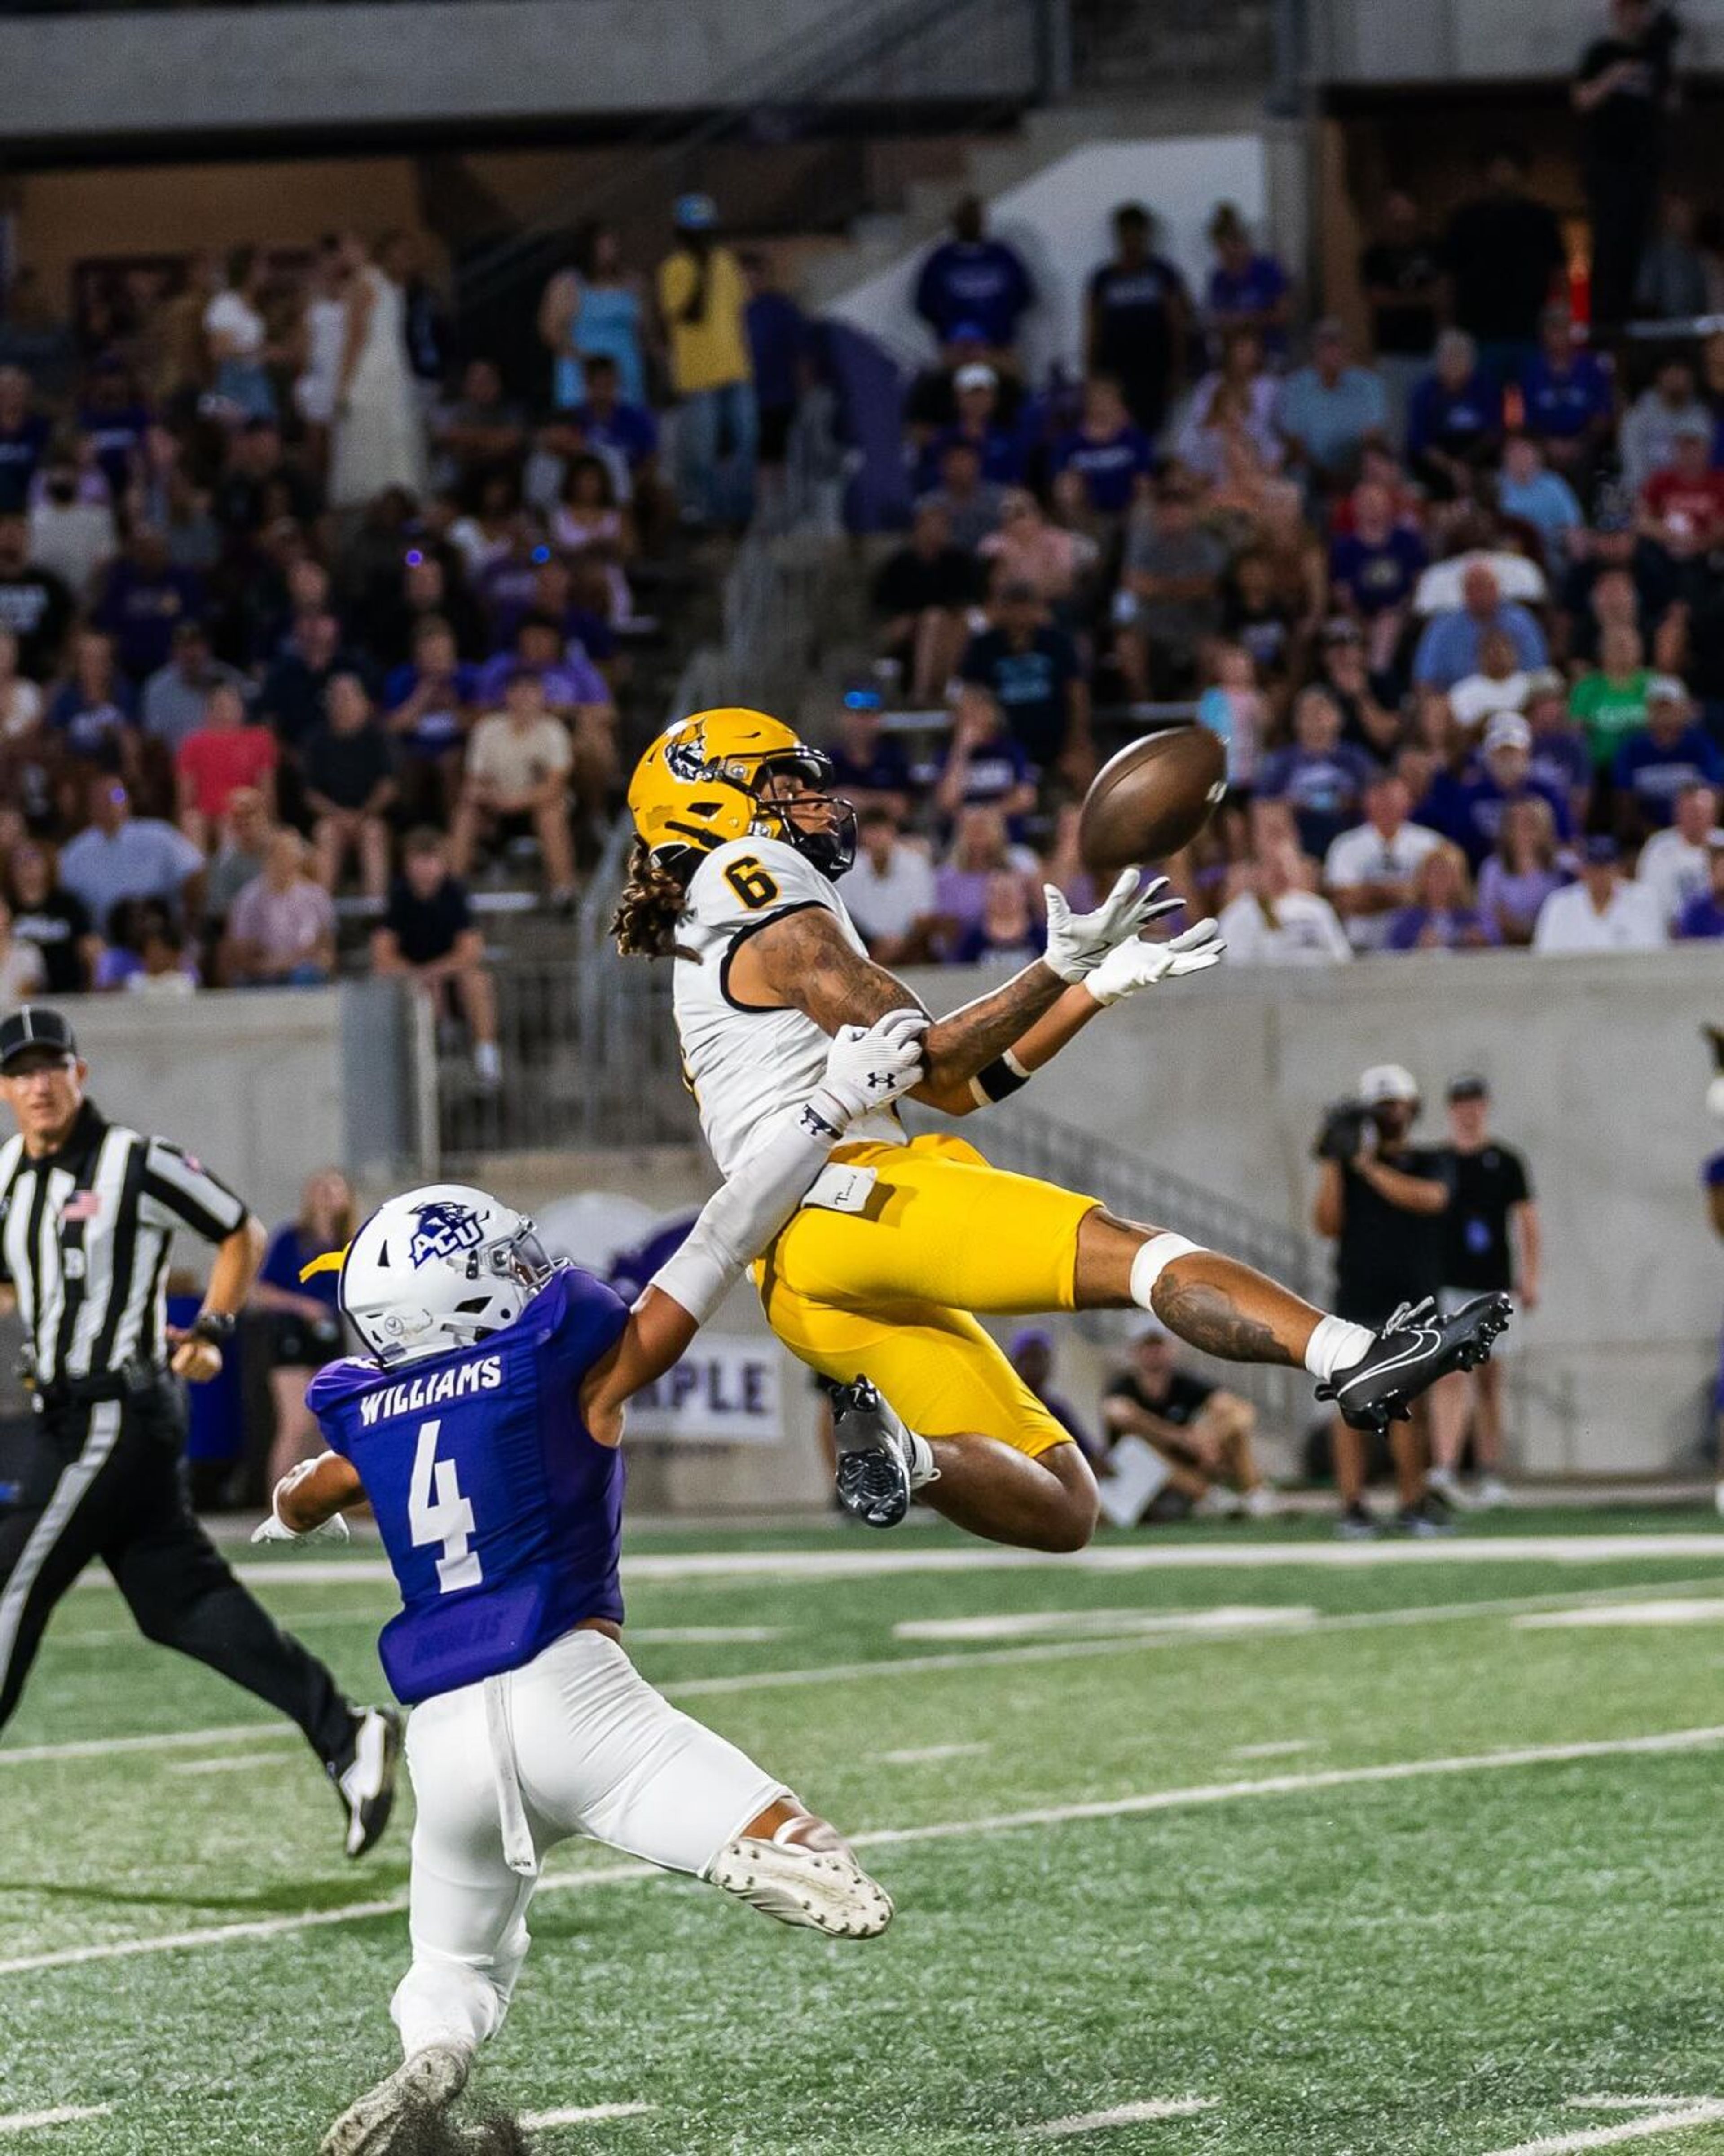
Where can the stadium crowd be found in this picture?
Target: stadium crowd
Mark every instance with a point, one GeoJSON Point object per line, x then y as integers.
{"type": "Point", "coordinates": [1452, 604]}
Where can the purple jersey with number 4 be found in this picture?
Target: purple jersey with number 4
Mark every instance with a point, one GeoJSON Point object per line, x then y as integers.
{"type": "Point", "coordinates": [501, 1514]}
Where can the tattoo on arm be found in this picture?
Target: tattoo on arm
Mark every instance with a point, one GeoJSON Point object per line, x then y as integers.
{"type": "Point", "coordinates": [1206, 1317]}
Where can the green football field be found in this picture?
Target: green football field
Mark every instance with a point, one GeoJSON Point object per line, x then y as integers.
{"type": "Point", "coordinates": [1221, 1843]}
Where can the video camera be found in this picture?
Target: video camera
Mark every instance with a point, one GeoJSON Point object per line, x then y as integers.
{"type": "Point", "coordinates": [1348, 1129]}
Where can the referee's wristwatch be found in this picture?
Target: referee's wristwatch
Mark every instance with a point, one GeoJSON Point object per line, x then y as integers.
{"type": "Point", "coordinates": [216, 1326]}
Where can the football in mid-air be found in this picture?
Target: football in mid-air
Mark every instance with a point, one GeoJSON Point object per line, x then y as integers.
{"type": "Point", "coordinates": [1152, 798]}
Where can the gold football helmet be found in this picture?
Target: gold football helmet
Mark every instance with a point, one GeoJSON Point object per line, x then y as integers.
{"type": "Point", "coordinates": [698, 786]}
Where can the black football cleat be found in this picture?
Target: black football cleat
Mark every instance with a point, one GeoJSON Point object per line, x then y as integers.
{"type": "Point", "coordinates": [875, 1458]}
{"type": "Point", "coordinates": [1415, 1349]}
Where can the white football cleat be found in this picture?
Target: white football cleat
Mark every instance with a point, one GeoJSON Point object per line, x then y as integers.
{"type": "Point", "coordinates": [824, 1890]}
{"type": "Point", "coordinates": [390, 2115]}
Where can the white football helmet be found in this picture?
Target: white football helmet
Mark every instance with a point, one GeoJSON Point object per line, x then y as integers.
{"type": "Point", "coordinates": [438, 1268]}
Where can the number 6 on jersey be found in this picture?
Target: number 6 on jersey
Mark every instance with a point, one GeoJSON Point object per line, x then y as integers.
{"type": "Point", "coordinates": [438, 1512]}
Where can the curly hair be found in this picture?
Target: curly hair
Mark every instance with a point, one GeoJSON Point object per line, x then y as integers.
{"type": "Point", "coordinates": [654, 901]}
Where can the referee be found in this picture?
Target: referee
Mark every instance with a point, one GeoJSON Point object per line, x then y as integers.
{"type": "Point", "coordinates": [88, 1209]}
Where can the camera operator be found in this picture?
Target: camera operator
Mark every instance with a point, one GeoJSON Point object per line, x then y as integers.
{"type": "Point", "coordinates": [1623, 91]}
{"type": "Point", "coordinates": [1382, 1199]}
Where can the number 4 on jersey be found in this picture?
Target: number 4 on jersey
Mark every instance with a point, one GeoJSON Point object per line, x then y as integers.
{"type": "Point", "coordinates": [438, 1512]}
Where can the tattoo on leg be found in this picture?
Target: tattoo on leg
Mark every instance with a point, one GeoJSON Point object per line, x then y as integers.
{"type": "Point", "coordinates": [1205, 1317]}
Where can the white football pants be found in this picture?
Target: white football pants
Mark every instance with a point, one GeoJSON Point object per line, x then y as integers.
{"type": "Point", "coordinates": [577, 1742]}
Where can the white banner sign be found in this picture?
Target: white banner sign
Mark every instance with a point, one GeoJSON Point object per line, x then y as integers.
{"type": "Point", "coordinates": [725, 1391]}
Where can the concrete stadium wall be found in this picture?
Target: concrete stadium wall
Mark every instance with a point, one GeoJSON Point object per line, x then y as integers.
{"type": "Point", "coordinates": [1445, 40]}
{"type": "Point", "coordinates": [237, 68]}
{"type": "Point", "coordinates": [1599, 1073]}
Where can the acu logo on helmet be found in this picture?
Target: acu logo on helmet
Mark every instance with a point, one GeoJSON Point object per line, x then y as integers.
{"type": "Point", "coordinates": [444, 1228]}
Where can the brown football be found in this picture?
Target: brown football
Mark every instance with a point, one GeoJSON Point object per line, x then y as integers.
{"type": "Point", "coordinates": [1152, 798]}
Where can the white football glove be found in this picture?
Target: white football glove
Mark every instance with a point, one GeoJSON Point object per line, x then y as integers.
{"type": "Point", "coordinates": [1130, 967]}
{"type": "Point", "coordinates": [1078, 942]}
{"type": "Point", "coordinates": [868, 1066]}
{"type": "Point", "coordinates": [275, 1529]}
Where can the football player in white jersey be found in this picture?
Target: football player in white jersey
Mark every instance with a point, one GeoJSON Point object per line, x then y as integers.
{"type": "Point", "coordinates": [876, 1279]}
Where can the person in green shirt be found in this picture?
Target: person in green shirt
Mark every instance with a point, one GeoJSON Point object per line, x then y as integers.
{"type": "Point", "coordinates": [1610, 702]}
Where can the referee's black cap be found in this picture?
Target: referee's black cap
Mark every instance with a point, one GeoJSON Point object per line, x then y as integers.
{"type": "Point", "coordinates": [34, 1026]}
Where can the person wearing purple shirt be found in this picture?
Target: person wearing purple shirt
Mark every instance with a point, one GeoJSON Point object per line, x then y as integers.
{"type": "Point", "coordinates": [1378, 573]}
{"type": "Point", "coordinates": [1321, 777]}
{"type": "Point", "coordinates": [1669, 753]}
{"type": "Point", "coordinates": [114, 421]}
{"type": "Point", "coordinates": [970, 277]}
{"type": "Point", "coordinates": [999, 449]}
{"type": "Point", "coordinates": [144, 599]}
{"type": "Point", "coordinates": [1246, 289]}
{"type": "Point", "coordinates": [780, 343]}
{"type": "Point", "coordinates": [571, 680]}
{"type": "Point", "coordinates": [23, 439]}
{"type": "Point", "coordinates": [608, 422]}
{"type": "Point", "coordinates": [1469, 808]}
{"type": "Point", "coordinates": [95, 711]}
{"type": "Point", "coordinates": [1454, 420]}
{"type": "Point", "coordinates": [1107, 456]}
{"type": "Point", "coordinates": [1703, 916]}
{"type": "Point", "coordinates": [1442, 917]}
{"type": "Point", "coordinates": [1567, 396]}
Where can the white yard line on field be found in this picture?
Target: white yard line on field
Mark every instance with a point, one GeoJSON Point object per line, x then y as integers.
{"type": "Point", "coordinates": [246, 1763]}
{"type": "Point", "coordinates": [1283, 1749]}
{"type": "Point", "coordinates": [68, 2114]}
{"type": "Point", "coordinates": [593, 2114]}
{"type": "Point", "coordinates": [1682, 2121]}
{"type": "Point", "coordinates": [1693, 1610]}
{"type": "Point", "coordinates": [1635, 2102]}
{"type": "Point", "coordinates": [1661, 1742]}
{"type": "Point", "coordinates": [918, 1753]}
{"type": "Point", "coordinates": [1028, 1623]}
{"type": "Point", "coordinates": [843, 1564]}
{"type": "Point", "coordinates": [1053, 1650]}
{"type": "Point", "coordinates": [1124, 2114]}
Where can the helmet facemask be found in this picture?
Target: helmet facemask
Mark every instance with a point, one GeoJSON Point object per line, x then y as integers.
{"type": "Point", "coordinates": [832, 851]}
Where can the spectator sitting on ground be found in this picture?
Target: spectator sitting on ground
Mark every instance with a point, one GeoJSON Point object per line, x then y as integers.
{"type": "Point", "coordinates": [1330, 410]}
{"type": "Point", "coordinates": [1276, 921]}
{"type": "Point", "coordinates": [239, 859]}
{"type": "Point", "coordinates": [1369, 869]}
{"type": "Point", "coordinates": [921, 595]}
{"type": "Point", "coordinates": [986, 765]}
{"type": "Point", "coordinates": [428, 933]}
{"type": "Point", "coordinates": [1611, 703]}
{"type": "Point", "coordinates": [1702, 918]}
{"type": "Point", "coordinates": [890, 892]}
{"type": "Point", "coordinates": [176, 694]}
{"type": "Point", "coordinates": [1454, 421]}
{"type": "Point", "coordinates": [1032, 1356]}
{"type": "Point", "coordinates": [1646, 441]}
{"type": "Point", "coordinates": [46, 914]}
{"type": "Point", "coordinates": [1527, 491]}
{"type": "Point", "coordinates": [979, 848]}
{"type": "Point", "coordinates": [1233, 708]}
{"type": "Point", "coordinates": [1603, 912]}
{"type": "Point", "coordinates": [1676, 863]}
{"type": "Point", "coordinates": [971, 503]}
{"type": "Point", "coordinates": [1452, 644]}
{"type": "Point", "coordinates": [1104, 464]}
{"type": "Point", "coordinates": [1170, 594]}
{"type": "Point", "coordinates": [1202, 1432]}
{"type": "Point", "coordinates": [146, 952]}
{"type": "Point", "coordinates": [517, 784]}
{"type": "Point", "coordinates": [428, 702]}
{"type": "Point", "coordinates": [1028, 551]}
{"type": "Point", "coordinates": [1321, 777]}
{"type": "Point", "coordinates": [1443, 915]}
{"type": "Point", "coordinates": [281, 928]}
{"type": "Point", "coordinates": [350, 784]}
{"type": "Point", "coordinates": [1521, 871]}
{"type": "Point", "coordinates": [1567, 397]}
{"type": "Point", "coordinates": [870, 769]}
{"type": "Point", "coordinates": [215, 762]}
{"type": "Point", "coordinates": [998, 452]}
{"type": "Point", "coordinates": [1033, 672]}
{"type": "Point", "coordinates": [1247, 287]}
{"type": "Point", "coordinates": [972, 280]}
{"type": "Point", "coordinates": [23, 974]}
{"type": "Point", "coordinates": [1009, 927]}
{"type": "Point", "coordinates": [118, 856]}
{"type": "Point", "coordinates": [1469, 809]}
{"type": "Point", "coordinates": [1653, 766]}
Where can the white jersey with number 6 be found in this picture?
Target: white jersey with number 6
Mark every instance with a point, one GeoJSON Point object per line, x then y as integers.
{"type": "Point", "coordinates": [746, 1064]}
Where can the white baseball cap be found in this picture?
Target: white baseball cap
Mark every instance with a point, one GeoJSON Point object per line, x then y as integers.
{"type": "Point", "coordinates": [1665, 689]}
{"type": "Point", "coordinates": [1388, 1082]}
{"type": "Point", "coordinates": [977, 375]}
{"type": "Point", "coordinates": [1507, 730]}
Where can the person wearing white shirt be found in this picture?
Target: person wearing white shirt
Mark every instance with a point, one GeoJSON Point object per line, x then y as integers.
{"type": "Point", "coordinates": [1601, 912]}
{"type": "Point", "coordinates": [1278, 922]}
{"type": "Point", "coordinates": [1442, 588]}
{"type": "Point", "coordinates": [890, 891]}
{"type": "Point", "coordinates": [1369, 870]}
{"type": "Point", "coordinates": [1674, 864]}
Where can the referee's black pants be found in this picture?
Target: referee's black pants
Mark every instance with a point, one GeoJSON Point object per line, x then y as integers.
{"type": "Point", "coordinates": [104, 1480]}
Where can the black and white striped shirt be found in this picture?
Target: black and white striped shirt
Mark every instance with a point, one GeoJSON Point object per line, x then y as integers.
{"type": "Point", "coordinates": [84, 1234]}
